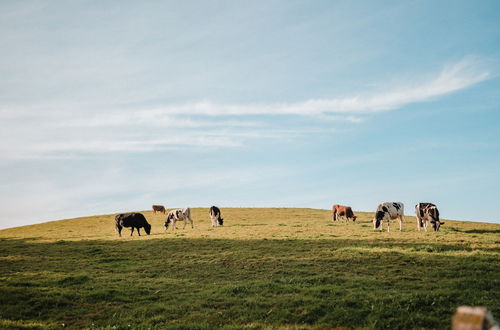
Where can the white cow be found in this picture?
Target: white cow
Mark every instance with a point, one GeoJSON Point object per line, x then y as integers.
{"type": "Point", "coordinates": [178, 215]}
{"type": "Point", "coordinates": [427, 212]}
{"type": "Point", "coordinates": [388, 211]}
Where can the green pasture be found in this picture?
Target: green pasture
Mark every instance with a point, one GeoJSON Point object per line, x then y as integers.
{"type": "Point", "coordinates": [265, 268]}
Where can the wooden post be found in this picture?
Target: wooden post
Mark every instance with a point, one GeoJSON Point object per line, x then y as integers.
{"type": "Point", "coordinates": [473, 318]}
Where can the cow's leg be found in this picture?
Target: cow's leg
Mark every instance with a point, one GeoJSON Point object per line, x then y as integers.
{"type": "Point", "coordinates": [401, 218]}
{"type": "Point", "coordinates": [132, 231]}
{"type": "Point", "coordinates": [185, 221]}
{"type": "Point", "coordinates": [139, 231]}
{"type": "Point", "coordinates": [388, 225]}
{"type": "Point", "coordinates": [119, 229]}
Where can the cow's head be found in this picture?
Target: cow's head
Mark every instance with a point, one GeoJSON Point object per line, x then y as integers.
{"type": "Point", "coordinates": [167, 222]}
{"type": "Point", "coordinates": [379, 216]}
{"type": "Point", "coordinates": [354, 218]}
{"type": "Point", "coordinates": [147, 228]}
{"type": "Point", "coordinates": [221, 221]}
{"type": "Point", "coordinates": [436, 224]}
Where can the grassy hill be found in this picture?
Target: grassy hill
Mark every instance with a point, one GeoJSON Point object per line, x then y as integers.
{"type": "Point", "coordinates": [265, 268]}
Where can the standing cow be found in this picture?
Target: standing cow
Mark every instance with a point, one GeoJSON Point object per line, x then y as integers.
{"type": "Point", "coordinates": [388, 211]}
{"type": "Point", "coordinates": [134, 220]}
{"type": "Point", "coordinates": [178, 215]}
{"type": "Point", "coordinates": [342, 211]}
{"type": "Point", "coordinates": [159, 208]}
{"type": "Point", "coordinates": [427, 212]}
{"type": "Point", "coordinates": [215, 216]}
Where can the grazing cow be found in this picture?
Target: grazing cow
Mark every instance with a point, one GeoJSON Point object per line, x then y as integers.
{"type": "Point", "coordinates": [427, 212]}
{"type": "Point", "coordinates": [342, 211]}
{"type": "Point", "coordinates": [388, 211]}
{"type": "Point", "coordinates": [215, 216]}
{"type": "Point", "coordinates": [159, 208]}
{"type": "Point", "coordinates": [134, 220]}
{"type": "Point", "coordinates": [178, 215]}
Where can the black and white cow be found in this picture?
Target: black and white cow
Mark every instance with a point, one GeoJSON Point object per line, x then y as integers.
{"type": "Point", "coordinates": [388, 211]}
{"type": "Point", "coordinates": [215, 216]}
{"type": "Point", "coordinates": [427, 212]}
{"type": "Point", "coordinates": [178, 215]}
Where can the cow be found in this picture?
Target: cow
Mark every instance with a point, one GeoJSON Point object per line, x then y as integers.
{"type": "Point", "coordinates": [388, 211]}
{"type": "Point", "coordinates": [342, 211]}
{"type": "Point", "coordinates": [134, 220]}
{"type": "Point", "coordinates": [215, 216]}
{"type": "Point", "coordinates": [159, 208]}
{"type": "Point", "coordinates": [427, 212]}
{"type": "Point", "coordinates": [178, 215]}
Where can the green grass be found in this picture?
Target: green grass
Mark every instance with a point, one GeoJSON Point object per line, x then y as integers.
{"type": "Point", "coordinates": [266, 268]}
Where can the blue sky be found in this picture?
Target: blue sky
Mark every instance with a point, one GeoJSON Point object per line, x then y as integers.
{"type": "Point", "coordinates": [109, 107]}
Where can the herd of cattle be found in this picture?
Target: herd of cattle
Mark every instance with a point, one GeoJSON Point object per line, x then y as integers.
{"type": "Point", "coordinates": [426, 213]}
{"type": "Point", "coordinates": [137, 220]}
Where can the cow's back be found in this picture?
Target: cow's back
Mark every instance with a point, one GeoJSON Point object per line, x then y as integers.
{"type": "Point", "coordinates": [131, 220]}
{"type": "Point", "coordinates": [394, 209]}
{"type": "Point", "coordinates": [422, 208]}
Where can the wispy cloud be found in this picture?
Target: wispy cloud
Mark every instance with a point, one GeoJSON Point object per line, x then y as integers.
{"type": "Point", "coordinates": [73, 145]}
{"type": "Point", "coordinates": [50, 130]}
{"type": "Point", "coordinates": [452, 78]}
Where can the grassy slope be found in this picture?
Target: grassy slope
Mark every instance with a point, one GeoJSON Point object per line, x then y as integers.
{"type": "Point", "coordinates": [265, 268]}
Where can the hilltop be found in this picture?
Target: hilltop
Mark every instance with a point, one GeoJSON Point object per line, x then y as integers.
{"type": "Point", "coordinates": [271, 267]}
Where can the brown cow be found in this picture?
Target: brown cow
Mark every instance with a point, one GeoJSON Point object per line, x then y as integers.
{"type": "Point", "coordinates": [159, 208]}
{"type": "Point", "coordinates": [342, 211]}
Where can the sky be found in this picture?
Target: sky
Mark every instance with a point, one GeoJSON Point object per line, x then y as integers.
{"type": "Point", "coordinates": [110, 107]}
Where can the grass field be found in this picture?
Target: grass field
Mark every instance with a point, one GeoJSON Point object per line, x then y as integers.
{"type": "Point", "coordinates": [265, 268]}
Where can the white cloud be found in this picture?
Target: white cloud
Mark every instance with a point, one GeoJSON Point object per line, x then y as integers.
{"type": "Point", "coordinates": [452, 78]}
{"type": "Point", "coordinates": [39, 131]}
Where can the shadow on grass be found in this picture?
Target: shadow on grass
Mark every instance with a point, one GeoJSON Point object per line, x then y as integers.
{"type": "Point", "coordinates": [474, 231]}
{"type": "Point", "coordinates": [482, 231]}
{"type": "Point", "coordinates": [209, 283]}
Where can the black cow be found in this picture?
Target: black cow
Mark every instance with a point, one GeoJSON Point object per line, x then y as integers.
{"type": "Point", "coordinates": [134, 220]}
{"type": "Point", "coordinates": [215, 216]}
